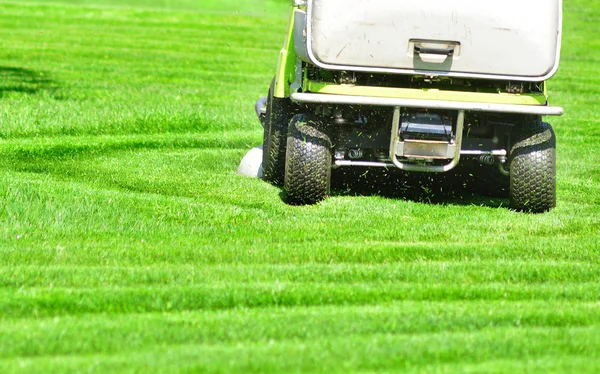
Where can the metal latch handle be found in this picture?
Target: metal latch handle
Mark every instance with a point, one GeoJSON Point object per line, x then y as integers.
{"type": "Point", "coordinates": [434, 51]}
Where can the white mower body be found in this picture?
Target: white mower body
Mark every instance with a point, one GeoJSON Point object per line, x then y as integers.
{"type": "Point", "coordinates": [508, 40]}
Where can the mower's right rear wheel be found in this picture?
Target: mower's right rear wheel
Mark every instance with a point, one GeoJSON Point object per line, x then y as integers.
{"type": "Point", "coordinates": [308, 162]}
{"type": "Point", "coordinates": [277, 116]}
{"type": "Point", "coordinates": [533, 167]}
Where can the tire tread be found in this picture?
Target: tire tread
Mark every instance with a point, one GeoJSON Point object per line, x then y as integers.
{"type": "Point", "coordinates": [308, 162]}
{"type": "Point", "coordinates": [533, 168]}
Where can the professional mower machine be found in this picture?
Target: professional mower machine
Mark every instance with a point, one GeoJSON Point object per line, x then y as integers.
{"type": "Point", "coordinates": [419, 86]}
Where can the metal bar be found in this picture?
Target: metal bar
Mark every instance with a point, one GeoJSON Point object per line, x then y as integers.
{"type": "Point", "coordinates": [476, 152]}
{"type": "Point", "coordinates": [466, 152]}
{"type": "Point", "coordinates": [327, 99]}
{"type": "Point", "coordinates": [364, 163]}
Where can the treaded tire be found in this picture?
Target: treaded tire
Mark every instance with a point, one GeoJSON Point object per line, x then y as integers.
{"type": "Point", "coordinates": [308, 162]}
{"type": "Point", "coordinates": [533, 168]}
{"type": "Point", "coordinates": [277, 117]}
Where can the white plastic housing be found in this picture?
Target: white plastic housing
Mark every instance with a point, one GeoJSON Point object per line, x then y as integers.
{"type": "Point", "coordinates": [508, 39]}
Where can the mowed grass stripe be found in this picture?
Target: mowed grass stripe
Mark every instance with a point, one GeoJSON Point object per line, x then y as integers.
{"type": "Point", "coordinates": [199, 247]}
{"type": "Point", "coordinates": [228, 8]}
{"type": "Point", "coordinates": [103, 13]}
{"type": "Point", "coordinates": [201, 30]}
{"type": "Point", "coordinates": [56, 301]}
{"type": "Point", "coordinates": [38, 336]}
{"type": "Point", "coordinates": [158, 119]}
{"type": "Point", "coordinates": [203, 56]}
{"type": "Point", "coordinates": [385, 352]}
{"type": "Point", "coordinates": [61, 147]}
{"type": "Point", "coordinates": [147, 32]}
{"type": "Point", "coordinates": [541, 364]}
{"type": "Point", "coordinates": [81, 277]}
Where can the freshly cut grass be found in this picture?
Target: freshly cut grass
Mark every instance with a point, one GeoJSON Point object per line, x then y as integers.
{"type": "Point", "coordinates": [129, 244]}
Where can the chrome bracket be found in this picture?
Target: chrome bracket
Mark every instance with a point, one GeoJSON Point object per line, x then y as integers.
{"type": "Point", "coordinates": [396, 144]}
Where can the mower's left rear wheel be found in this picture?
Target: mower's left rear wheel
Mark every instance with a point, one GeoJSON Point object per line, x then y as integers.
{"type": "Point", "coordinates": [308, 162]}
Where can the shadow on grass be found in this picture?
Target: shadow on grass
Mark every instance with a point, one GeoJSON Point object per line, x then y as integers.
{"type": "Point", "coordinates": [68, 162]}
{"type": "Point", "coordinates": [457, 187]}
{"type": "Point", "coordinates": [106, 145]}
{"type": "Point", "coordinates": [13, 79]}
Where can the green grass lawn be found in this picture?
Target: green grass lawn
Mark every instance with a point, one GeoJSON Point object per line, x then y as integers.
{"type": "Point", "coordinates": [129, 244]}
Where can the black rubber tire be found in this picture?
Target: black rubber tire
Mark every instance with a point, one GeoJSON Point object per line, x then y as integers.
{"type": "Point", "coordinates": [277, 116]}
{"type": "Point", "coordinates": [308, 162]}
{"type": "Point", "coordinates": [533, 168]}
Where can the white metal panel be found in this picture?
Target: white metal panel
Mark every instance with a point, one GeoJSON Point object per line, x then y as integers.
{"type": "Point", "coordinates": [508, 39]}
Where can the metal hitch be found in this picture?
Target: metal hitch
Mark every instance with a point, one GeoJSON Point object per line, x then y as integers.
{"type": "Point", "coordinates": [422, 138]}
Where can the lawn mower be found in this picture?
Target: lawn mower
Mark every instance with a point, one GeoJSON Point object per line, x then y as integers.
{"type": "Point", "coordinates": [418, 86]}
